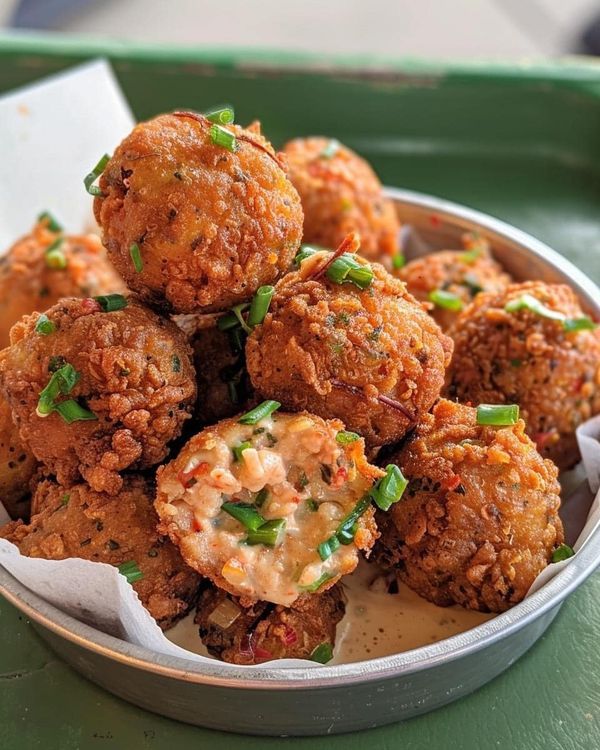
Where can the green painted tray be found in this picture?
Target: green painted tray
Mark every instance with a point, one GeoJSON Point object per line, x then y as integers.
{"type": "Point", "coordinates": [520, 142]}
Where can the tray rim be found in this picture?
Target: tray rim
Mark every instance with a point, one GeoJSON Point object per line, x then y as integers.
{"type": "Point", "coordinates": [551, 595]}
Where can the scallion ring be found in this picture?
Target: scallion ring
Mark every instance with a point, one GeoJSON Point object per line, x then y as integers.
{"type": "Point", "coordinates": [269, 533]}
{"type": "Point", "coordinates": [260, 412]}
{"type": "Point", "coordinates": [131, 571]}
{"type": "Point", "coordinates": [221, 116]}
{"type": "Point", "coordinates": [322, 653]}
{"type": "Point", "coordinates": [220, 136]}
{"type": "Point", "coordinates": [345, 437]}
{"type": "Point", "coordinates": [446, 300]}
{"type": "Point", "coordinates": [111, 302]}
{"type": "Point", "coordinates": [44, 326]}
{"type": "Point", "coordinates": [259, 306]}
{"type": "Point", "coordinates": [72, 411]}
{"type": "Point", "coordinates": [498, 415]}
{"type": "Point", "coordinates": [89, 179]}
{"type": "Point", "coordinates": [562, 552]}
{"type": "Point", "coordinates": [390, 488]}
{"type": "Point", "coordinates": [245, 513]}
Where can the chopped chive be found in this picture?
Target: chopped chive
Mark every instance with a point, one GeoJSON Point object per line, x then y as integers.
{"type": "Point", "coordinates": [269, 533]}
{"type": "Point", "coordinates": [111, 302]}
{"type": "Point", "coordinates": [316, 585]}
{"type": "Point", "coordinates": [237, 450]}
{"type": "Point", "coordinates": [89, 179]}
{"type": "Point", "coordinates": [227, 322]}
{"type": "Point", "coordinates": [259, 306]}
{"type": "Point", "coordinates": [390, 488]}
{"type": "Point", "coordinates": [322, 653]}
{"type": "Point", "coordinates": [347, 528]}
{"type": "Point", "coordinates": [346, 536]}
{"type": "Point", "coordinates": [261, 497]}
{"type": "Point", "coordinates": [136, 257]}
{"type": "Point", "coordinates": [54, 256]}
{"type": "Point", "coordinates": [346, 269]}
{"type": "Point", "coordinates": [62, 381]}
{"type": "Point", "coordinates": [237, 311]}
{"type": "Point", "coordinates": [71, 411]}
{"type": "Point", "coordinates": [331, 149]}
{"type": "Point", "coordinates": [531, 303]}
{"type": "Point", "coordinates": [563, 552]}
{"type": "Point", "coordinates": [579, 324]}
{"type": "Point", "coordinates": [44, 325]}
{"type": "Point", "coordinates": [131, 571]}
{"type": "Point", "coordinates": [262, 411]}
{"type": "Point", "coordinates": [64, 500]}
{"type": "Point", "coordinates": [51, 223]}
{"type": "Point", "coordinates": [220, 136]}
{"type": "Point", "coordinates": [398, 261]}
{"type": "Point", "coordinates": [245, 513]}
{"type": "Point", "coordinates": [497, 415]}
{"type": "Point", "coordinates": [221, 116]}
{"type": "Point", "coordinates": [446, 300]}
{"type": "Point", "coordinates": [470, 256]}
{"type": "Point", "coordinates": [345, 437]}
{"type": "Point", "coordinates": [328, 547]}
{"type": "Point", "coordinates": [175, 363]}
{"type": "Point", "coordinates": [306, 251]}
{"type": "Point", "coordinates": [312, 505]}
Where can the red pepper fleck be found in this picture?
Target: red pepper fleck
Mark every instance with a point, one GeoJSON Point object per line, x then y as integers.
{"type": "Point", "coordinates": [339, 477]}
{"type": "Point", "coordinates": [451, 483]}
{"type": "Point", "coordinates": [435, 220]}
{"type": "Point", "coordinates": [185, 477]}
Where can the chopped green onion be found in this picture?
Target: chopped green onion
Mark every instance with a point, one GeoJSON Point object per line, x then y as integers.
{"type": "Point", "coordinates": [54, 256]}
{"type": "Point", "coordinates": [89, 179]}
{"type": "Point", "coordinates": [346, 530]}
{"type": "Point", "coordinates": [262, 411]}
{"type": "Point", "coordinates": [390, 488]}
{"type": "Point", "coordinates": [131, 571]}
{"type": "Point", "coordinates": [269, 533]}
{"type": "Point", "coordinates": [239, 449]}
{"type": "Point", "coordinates": [563, 552]}
{"type": "Point", "coordinates": [345, 437]}
{"type": "Point", "coordinates": [51, 223]}
{"type": "Point", "coordinates": [222, 137]}
{"type": "Point", "coordinates": [237, 311]}
{"type": "Point", "coordinates": [579, 324]}
{"type": "Point", "coordinates": [446, 300]}
{"type": "Point", "coordinates": [312, 505]}
{"type": "Point", "coordinates": [328, 547]}
{"type": "Point", "coordinates": [322, 653]}
{"type": "Point", "coordinates": [71, 411]}
{"type": "Point", "coordinates": [306, 251]}
{"type": "Point", "coordinates": [470, 256]}
{"type": "Point", "coordinates": [497, 415]}
{"type": "Point", "coordinates": [346, 269]}
{"type": "Point", "coordinates": [316, 585]}
{"type": "Point", "coordinates": [398, 261]}
{"type": "Point", "coordinates": [232, 319]}
{"type": "Point", "coordinates": [62, 381]}
{"type": "Point", "coordinates": [175, 363]}
{"type": "Point", "coordinates": [259, 306]}
{"type": "Point", "coordinates": [136, 257]}
{"type": "Point", "coordinates": [330, 149]}
{"type": "Point", "coordinates": [346, 536]}
{"type": "Point", "coordinates": [64, 500]}
{"type": "Point", "coordinates": [245, 513]}
{"type": "Point", "coordinates": [261, 497]}
{"type": "Point", "coordinates": [531, 303]}
{"type": "Point", "coordinates": [111, 302]}
{"type": "Point", "coordinates": [221, 116]}
{"type": "Point", "coordinates": [44, 325]}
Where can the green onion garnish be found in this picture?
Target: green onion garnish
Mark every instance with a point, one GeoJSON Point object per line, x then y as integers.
{"type": "Point", "coordinates": [262, 411]}
{"type": "Point", "coordinates": [498, 415]}
{"type": "Point", "coordinates": [470, 256]}
{"type": "Point", "coordinates": [221, 116]}
{"type": "Point", "coordinates": [322, 653]}
{"type": "Point", "coordinates": [312, 505]}
{"type": "Point", "coordinates": [260, 305]}
{"type": "Point", "coordinates": [245, 513]}
{"type": "Point", "coordinates": [579, 324]}
{"type": "Point", "coordinates": [346, 536]}
{"type": "Point", "coordinates": [131, 571]}
{"type": "Point", "coordinates": [531, 303]}
{"type": "Point", "coordinates": [44, 325]}
{"type": "Point", "coordinates": [346, 269]}
{"type": "Point", "coordinates": [398, 261]}
{"type": "Point", "coordinates": [330, 149]}
{"type": "Point", "coordinates": [51, 223]}
{"type": "Point", "coordinates": [261, 497]}
{"type": "Point", "coordinates": [239, 449]}
{"type": "Point", "coordinates": [306, 251]}
{"type": "Point", "coordinates": [390, 488]}
{"type": "Point", "coordinates": [222, 137]}
{"type": "Point", "coordinates": [71, 411]}
{"type": "Point", "coordinates": [62, 381]}
{"type": "Point", "coordinates": [269, 533]}
{"type": "Point", "coordinates": [136, 257]}
{"type": "Point", "coordinates": [54, 256]}
{"type": "Point", "coordinates": [446, 300]}
{"type": "Point", "coordinates": [345, 437]}
{"type": "Point", "coordinates": [346, 531]}
{"type": "Point", "coordinates": [316, 585]}
{"type": "Point", "coordinates": [111, 302]}
{"type": "Point", "coordinates": [64, 500]}
{"type": "Point", "coordinates": [89, 179]}
{"type": "Point", "coordinates": [563, 552]}
{"type": "Point", "coordinates": [328, 547]}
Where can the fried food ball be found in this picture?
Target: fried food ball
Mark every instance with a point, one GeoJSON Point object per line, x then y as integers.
{"type": "Point", "coordinates": [371, 357]}
{"type": "Point", "coordinates": [211, 225]}
{"type": "Point", "coordinates": [30, 282]}
{"type": "Point", "coordinates": [525, 358]}
{"type": "Point", "coordinates": [458, 275]}
{"type": "Point", "coordinates": [78, 522]}
{"type": "Point", "coordinates": [341, 193]}
{"type": "Point", "coordinates": [17, 466]}
{"type": "Point", "coordinates": [287, 471]}
{"type": "Point", "coordinates": [127, 374]}
{"type": "Point", "coordinates": [251, 635]}
{"type": "Point", "coordinates": [479, 519]}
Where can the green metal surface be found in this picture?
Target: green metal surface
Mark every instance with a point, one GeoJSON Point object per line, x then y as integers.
{"type": "Point", "coordinates": [520, 142]}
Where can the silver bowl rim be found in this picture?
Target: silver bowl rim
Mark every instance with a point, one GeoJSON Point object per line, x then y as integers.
{"type": "Point", "coordinates": [550, 596]}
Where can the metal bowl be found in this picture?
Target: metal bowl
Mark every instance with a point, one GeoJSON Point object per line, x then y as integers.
{"type": "Point", "coordinates": [328, 700]}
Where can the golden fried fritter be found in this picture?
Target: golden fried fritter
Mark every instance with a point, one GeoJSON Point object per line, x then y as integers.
{"type": "Point", "coordinates": [370, 357]}
{"type": "Point", "coordinates": [525, 358]}
{"type": "Point", "coordinates": [287, 471]}
{"type": "Point", "coordinates": [341, 193]}
{"type": "Point", "coordinates": [211, 225]}
{"type": "Point", "coordinates": [130, 368]}
{"type": "Point", "coordinates": [479, 519]}
{"type": "Point", "coordinates": [17, 466]}
{"type": "Point", "coordinates": [30, 282]}
{"type": "Point", "coordinates": [461, 274]}
{"type": "Point", "coordinates": [266, 631]}
{"type": "Point", "coordinates": [78, 522]}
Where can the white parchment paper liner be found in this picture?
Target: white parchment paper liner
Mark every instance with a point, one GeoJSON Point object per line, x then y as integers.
{"type": "Point", "coordinates": [52, 134]}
